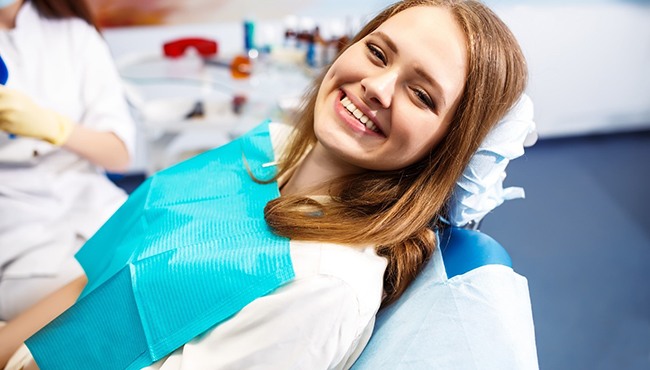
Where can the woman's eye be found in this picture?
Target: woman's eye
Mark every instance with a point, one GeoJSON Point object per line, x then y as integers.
{"type": "Point", "coordinates": [376, 52]}
{"type": "Point", "coordinates": [424, 98]}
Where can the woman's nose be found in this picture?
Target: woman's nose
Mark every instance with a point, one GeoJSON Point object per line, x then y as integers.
{"type": "Point", "coordinates": [379, 88]}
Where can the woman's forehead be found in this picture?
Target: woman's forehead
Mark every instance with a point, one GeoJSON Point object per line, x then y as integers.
{"type": "Point", "coordinates": [423, 18]}
{"type": "Point", "coordinates": [430, 39]}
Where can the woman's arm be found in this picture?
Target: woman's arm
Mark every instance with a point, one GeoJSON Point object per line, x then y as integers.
{"type": "Point", "coordinates": [20, 115]}
{"type": "Point", "coordinates": [29, 322]}
{"type": "Point", "coordinates": [104, 149]}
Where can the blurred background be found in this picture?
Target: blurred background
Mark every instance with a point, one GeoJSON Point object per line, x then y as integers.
{"type": "Point", "coordinates": [581, 237]}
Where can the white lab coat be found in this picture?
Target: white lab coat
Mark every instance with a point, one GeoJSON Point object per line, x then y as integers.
{"type": "Point", "coordinates": [51, 200]}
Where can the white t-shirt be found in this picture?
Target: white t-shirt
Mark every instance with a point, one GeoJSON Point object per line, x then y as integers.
{"type": "Point", "coordinates": [52, 199]}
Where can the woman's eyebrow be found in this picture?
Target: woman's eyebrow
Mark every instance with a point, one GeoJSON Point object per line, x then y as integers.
{"type": "Point", "coordinates": [421, 72]}
{"type": "Point", "coordinates": [387, 40]}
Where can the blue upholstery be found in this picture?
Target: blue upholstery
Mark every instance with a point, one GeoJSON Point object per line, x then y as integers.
{"type": "Point", "coordinates": [403, 330]}
{"type": "Point", "coordinates": [464, 250]}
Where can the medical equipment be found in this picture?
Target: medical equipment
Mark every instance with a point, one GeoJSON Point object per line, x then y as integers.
{"type": "Point", "coordinates": [4, 72]}
{"type": "Point", "coordinates": [249, 36]}
{"type": "Point", "coordinates": [240, 66]}
{"type": "Point", "coordinates": [317, 43]}
{"type": "Point", "coordinates": [186, 107]}
{"type": "Point", "coordinates": [4, 76]}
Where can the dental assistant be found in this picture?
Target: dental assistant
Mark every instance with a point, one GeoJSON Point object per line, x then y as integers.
{"type": "Point", "coordinates": [63, 122]}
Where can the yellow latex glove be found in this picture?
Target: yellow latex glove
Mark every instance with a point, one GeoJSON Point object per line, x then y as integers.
{"type": "Point", "coordinates": [21, 116]}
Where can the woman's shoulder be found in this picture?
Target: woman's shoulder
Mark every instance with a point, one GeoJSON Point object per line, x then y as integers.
{"type": "Point", "coordinates": [358, 268]}
{"type": "Point", "coordinates": [338, 259]}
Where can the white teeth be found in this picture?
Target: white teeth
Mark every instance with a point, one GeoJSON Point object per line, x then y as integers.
{"type": "Point", "coordinates": [347, 103]}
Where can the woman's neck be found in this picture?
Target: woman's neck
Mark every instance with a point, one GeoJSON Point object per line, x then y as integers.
{"type": "Point", "coordinates": [8, 15]}
{"type": "Point", "coordinates": [314, 172]}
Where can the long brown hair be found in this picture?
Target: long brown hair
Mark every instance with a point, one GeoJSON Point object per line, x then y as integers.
{"type": "Point", "coordinates": [65, 9]}
{"type": "Point", "coordinates": [394, 209]}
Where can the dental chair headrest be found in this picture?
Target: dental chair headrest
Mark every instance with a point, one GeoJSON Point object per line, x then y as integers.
{"type": "Point", "coordinates": [480, 188]}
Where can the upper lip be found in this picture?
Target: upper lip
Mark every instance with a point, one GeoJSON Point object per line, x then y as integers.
{"type": "Point", "coordinates": [365, 110]}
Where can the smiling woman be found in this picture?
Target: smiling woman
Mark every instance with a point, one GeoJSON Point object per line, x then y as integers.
{"type": "Point", "coordinates": [387, 77]}
{"type": "Point", "coordinates": [434, 76]}
{"type": "Point", "coordinates": [219, 263]}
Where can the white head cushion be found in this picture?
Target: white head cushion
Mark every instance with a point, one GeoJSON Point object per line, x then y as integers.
{"type": "Point", "coordinates": [480, 188]}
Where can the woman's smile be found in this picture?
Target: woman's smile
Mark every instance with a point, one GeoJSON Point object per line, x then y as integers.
{"type": "Point", "coordinates": [356, 116]}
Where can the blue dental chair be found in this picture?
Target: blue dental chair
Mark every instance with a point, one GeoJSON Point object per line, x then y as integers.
{"type": "Point", "coordinates": [427, 328]}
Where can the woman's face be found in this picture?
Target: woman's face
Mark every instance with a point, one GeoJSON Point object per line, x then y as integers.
{"type": "Point", "coordinates": [388, 99]}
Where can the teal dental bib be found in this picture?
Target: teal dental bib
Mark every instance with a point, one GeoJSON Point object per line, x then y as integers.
{"type": "Point", "coordinates": [186, 251]}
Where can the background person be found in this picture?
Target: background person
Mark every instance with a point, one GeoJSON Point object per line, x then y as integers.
{"type": "Point", "coordinates": [63, 121]}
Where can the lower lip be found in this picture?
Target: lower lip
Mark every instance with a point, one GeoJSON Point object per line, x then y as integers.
{"type": "Point", "coordinates": [349, 119]}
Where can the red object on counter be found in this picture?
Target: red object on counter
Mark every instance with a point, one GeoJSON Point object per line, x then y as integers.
{"type": "Point", "coordinates": [205, 47]}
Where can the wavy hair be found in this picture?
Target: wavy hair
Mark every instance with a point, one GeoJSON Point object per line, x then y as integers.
{"type": "Point", "coordinates": [394, 209]}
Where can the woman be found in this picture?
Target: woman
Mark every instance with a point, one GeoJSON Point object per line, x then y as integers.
{"type": "Point", "coordinates": [63, 121]}
{"type": "Point", "coordinates": [381, 140]}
